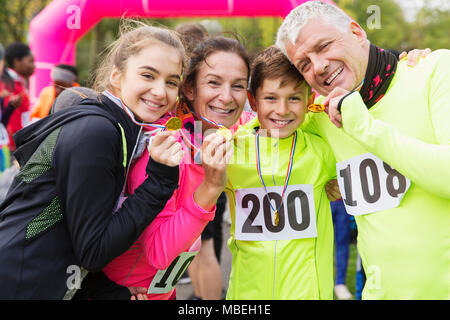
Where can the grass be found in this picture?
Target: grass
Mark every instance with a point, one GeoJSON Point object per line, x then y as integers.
{"type": "Point", "coordinates": [351, 270]}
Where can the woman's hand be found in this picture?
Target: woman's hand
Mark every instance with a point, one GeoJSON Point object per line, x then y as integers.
{"type": "Point", "coordinates": [165, 149]}
{"type": "Point", "coordinates": [138, 293]}
{"type": "Point", "coordinates": [215, 154]}
{"type": "Point", "coordinates": [414, 56]}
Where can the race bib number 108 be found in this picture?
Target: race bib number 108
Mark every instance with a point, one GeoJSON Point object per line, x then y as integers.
{"type": "Point", "coordinates": [368, 184]}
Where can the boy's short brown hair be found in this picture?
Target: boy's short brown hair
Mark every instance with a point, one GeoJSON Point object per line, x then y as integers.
{"type": "Point", "coordinates": [271, 63]}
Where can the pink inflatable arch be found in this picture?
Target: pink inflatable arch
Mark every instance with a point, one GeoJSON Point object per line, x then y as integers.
{"type": "Point", "coordinates": [55, 31]}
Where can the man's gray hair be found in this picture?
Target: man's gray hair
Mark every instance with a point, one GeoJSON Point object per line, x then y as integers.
{"type": "Point", "coordinates": [298, 17]}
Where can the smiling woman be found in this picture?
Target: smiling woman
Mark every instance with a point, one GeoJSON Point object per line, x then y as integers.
{"type": "Point", "coordinates": [216, 81]}
{"type": "Point", "coordinates": [144, 70]}
{"type": "Point", "coordinates": [149, 90]}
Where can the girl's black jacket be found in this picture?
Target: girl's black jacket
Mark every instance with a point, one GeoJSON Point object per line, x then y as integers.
{"type": "Point", "coordinates": [59, 214]}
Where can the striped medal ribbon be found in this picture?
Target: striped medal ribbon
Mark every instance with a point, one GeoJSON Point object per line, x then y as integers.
{"type": "Point", "coordinates": [288, 173]}
{"type": "Point", "coordinates": [131, 115]}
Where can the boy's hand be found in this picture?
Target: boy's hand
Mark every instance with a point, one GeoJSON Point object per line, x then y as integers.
{"type": "Point", "coordinates": [332, 190]}
{"type": "Point", "coordinates": [414, 56]}
{"type": "Point", "coordinates": [165, 149]}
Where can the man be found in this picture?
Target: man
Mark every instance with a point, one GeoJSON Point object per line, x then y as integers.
{"type": "Point", "coordinates": [20, 61]}
{"type": "Point", "coordinates": [390, 132]}
{"type": "Point", "coordinates": [20, 58]}
{"type": "Point", "coordinates": [63, 76]}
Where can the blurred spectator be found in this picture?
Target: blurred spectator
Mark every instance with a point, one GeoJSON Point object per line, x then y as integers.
{"type": "Point", "coordinates": [191, 34]}
{"type": "Point", "coordinates": [63, 76]}
{"type": "Point", "coordinates": [20, 58]}
{"type": "Point", "coordinates": [213, 27]}
{"type": "Point", "coordinates": [71, 97]}
{"type": "Point", "coordinates": [4, 117]}
{"type": "Point", "coordinates": [341, 223]}
{"type": "Point", "coordinates": [20, 63]}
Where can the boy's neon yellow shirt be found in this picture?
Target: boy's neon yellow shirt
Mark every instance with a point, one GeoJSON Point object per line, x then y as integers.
{"type": "Point", "coordinates": [282, 269]}
{"type": "Point", "coordinates": [405, 250]}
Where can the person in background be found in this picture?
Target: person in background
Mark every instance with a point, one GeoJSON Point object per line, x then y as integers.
{"type": "Point", "coordinates": [4, 139]}
{"type": "Point", "coordinates": [191, 34]}
{"type": "Point", "coordinates": [72, 97]}
{"type": "Point", "coordinates": [341, 224]}
{"type": "Point", "coordinates": [63, 76]}
{"type": "Point", "coordinates": [20, 62]}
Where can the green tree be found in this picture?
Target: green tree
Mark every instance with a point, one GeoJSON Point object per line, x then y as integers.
{"type": "Point", "coordinates": [383, 21]}
{"type": "Point", "coordinates": [15, 17]}
{"type": "Point", "coordinates": [431, 29]}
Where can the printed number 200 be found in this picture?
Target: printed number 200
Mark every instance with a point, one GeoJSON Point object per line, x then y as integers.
{"type": "Point", "coordinates": [249, 227]}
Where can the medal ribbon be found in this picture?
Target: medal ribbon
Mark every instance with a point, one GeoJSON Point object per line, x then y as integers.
{"type": "Point", "coordinates": [218, 125]}
{"type": "Point", "coordinates": [131, 115]}
{"type": "Point", "coordinates": [288, 172]}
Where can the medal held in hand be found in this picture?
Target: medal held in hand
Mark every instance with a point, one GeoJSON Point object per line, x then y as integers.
{"type": "Point", "coordinates": [174, 124]}
{"type": "Point", "coordinates": [316, 107]}
{"type": "Point", "coordinates": [225, 132]}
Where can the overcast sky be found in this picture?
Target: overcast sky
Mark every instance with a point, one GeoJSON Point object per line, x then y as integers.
{"type": "Point", "coordinates": [411, 7]}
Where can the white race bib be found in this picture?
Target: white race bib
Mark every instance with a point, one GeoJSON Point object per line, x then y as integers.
{"type": "Point", "coordinates": [165, 280]}
{"type": "Point", "coordinates": [4, 138]}
{"type": "Point", "coordinates": [254, 219]}
{"type": "Point", "coordinates": [368, 184]}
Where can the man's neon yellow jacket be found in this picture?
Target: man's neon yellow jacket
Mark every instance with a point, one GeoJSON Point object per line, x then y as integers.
{"type": "Point", "coordinates": [282, 269]}
{"type": "Point", "coordinates": [405, 250]}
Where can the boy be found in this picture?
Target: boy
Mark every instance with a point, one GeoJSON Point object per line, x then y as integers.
{"type": "Point", "coordinates": [281, 231]}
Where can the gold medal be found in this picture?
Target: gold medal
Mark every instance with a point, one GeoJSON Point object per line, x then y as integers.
{"type": "Point", "coordinates": [316, 107]}
{"type": "Point", "coordinates": [277, 218]}
{"type": "Point", "coordinates": [224, 132]}
{"type": "Point", "coordinates": [174, 124]}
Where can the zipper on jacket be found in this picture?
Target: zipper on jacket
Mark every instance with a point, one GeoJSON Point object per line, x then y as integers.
{"type": "Point", "coordinates": [274, 269]}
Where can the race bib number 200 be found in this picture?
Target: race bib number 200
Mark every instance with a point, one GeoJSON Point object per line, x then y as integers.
{"type": "Point", "coordinates": [255, 217]}
{"type": "Point", "coordinates": [368, 184]}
